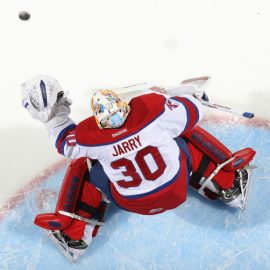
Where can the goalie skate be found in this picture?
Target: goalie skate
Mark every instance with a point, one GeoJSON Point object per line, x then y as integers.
{"type": "Point", "coordinates": [71, 249]}
{"type": "Point", "coordinates": [59, 240]}
{"type": "Point", "coordinates": [237, 195]}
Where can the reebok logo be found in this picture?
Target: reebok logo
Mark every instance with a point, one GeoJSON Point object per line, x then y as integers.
{"type": "Point", "coordinates": [119, 133]}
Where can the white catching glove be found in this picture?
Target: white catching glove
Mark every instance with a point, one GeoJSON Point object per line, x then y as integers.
{"type": "Point", "coordinates": [44, 100]}
{"type": "Point", "coordinates": [43, 114]}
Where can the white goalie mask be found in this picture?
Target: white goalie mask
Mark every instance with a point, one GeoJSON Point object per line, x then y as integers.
{"type": "Point", "coordinates": [39, 95]}
{"type": "Point", "coordinates": [108, 109]}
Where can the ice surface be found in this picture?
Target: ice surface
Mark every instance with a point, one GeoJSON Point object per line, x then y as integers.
{"type": "Point", "coordinates": [199, 234]}
{"type": "Point", "coordinates": [94, 44]}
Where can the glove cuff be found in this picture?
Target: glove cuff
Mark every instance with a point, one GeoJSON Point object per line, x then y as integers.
{"type": "Point", "coordinates": [56, 122]}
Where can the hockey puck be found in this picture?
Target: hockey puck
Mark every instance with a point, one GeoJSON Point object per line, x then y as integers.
{"type": "Point", "coordinates": [24, 15]}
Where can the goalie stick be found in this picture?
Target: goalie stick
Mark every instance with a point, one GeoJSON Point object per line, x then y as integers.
{"type": "Point", "coordinates": [132, 91]}
{"type": "Point", "coordinates": [248, 115]}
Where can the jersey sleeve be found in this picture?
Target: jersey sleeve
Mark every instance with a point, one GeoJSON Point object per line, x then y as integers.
{"type": "Point", "coordinates": [64, 139]}
{"type": "Point", "coordinates": [181, 114]}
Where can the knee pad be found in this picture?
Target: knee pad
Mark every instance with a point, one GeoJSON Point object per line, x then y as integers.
{"type": "Point", "coordinates": [207, 153]}
{"type": "Point", "coordinates": [68, 197]}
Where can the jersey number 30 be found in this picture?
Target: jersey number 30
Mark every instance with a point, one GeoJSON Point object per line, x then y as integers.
{"type": "Point", "coordinates": [130, 170]}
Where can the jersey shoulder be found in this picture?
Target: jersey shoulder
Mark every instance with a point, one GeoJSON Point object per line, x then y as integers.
{"type": "Point", "coordinates": [143, 111]}
{"type": "Point", "coordinates": [145, 108]}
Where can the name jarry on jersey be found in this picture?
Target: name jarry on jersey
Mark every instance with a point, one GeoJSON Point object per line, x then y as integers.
{"type": "Point", "coordinates": [127, 146]}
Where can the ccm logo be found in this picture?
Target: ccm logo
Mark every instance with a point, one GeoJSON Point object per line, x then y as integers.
{"type": "Point", "coordinates": [238, 162]}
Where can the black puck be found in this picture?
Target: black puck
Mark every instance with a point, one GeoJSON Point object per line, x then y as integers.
{"type": "Point", "coordinates": [24, 15]}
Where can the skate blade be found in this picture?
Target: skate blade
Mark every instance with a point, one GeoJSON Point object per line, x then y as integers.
{"type": "Point", "coordinates": [64, 249]}
{"type": "Point", "coordinates": [245, 191]}
{"type": "Point", "coordinates": [241, 201]}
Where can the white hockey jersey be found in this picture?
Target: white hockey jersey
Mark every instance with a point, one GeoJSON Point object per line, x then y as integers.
{"type": "Point", "coordinates": [141, 158]}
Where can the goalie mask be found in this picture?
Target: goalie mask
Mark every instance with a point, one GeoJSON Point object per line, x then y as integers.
{"type": "Point", "coordinates": [108, 109]}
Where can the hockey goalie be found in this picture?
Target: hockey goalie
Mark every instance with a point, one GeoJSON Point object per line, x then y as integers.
{"type": "Point", "coordinates": [139, 155]}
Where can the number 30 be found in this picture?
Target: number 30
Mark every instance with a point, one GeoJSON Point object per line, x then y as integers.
{"type": "Point", "coordinates": [143, 166]}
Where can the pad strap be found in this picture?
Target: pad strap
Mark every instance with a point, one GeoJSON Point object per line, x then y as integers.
{"type": "Point", "coordinates": [94, 212]}
{"type": "Point", "coordinates": [197, 175]}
